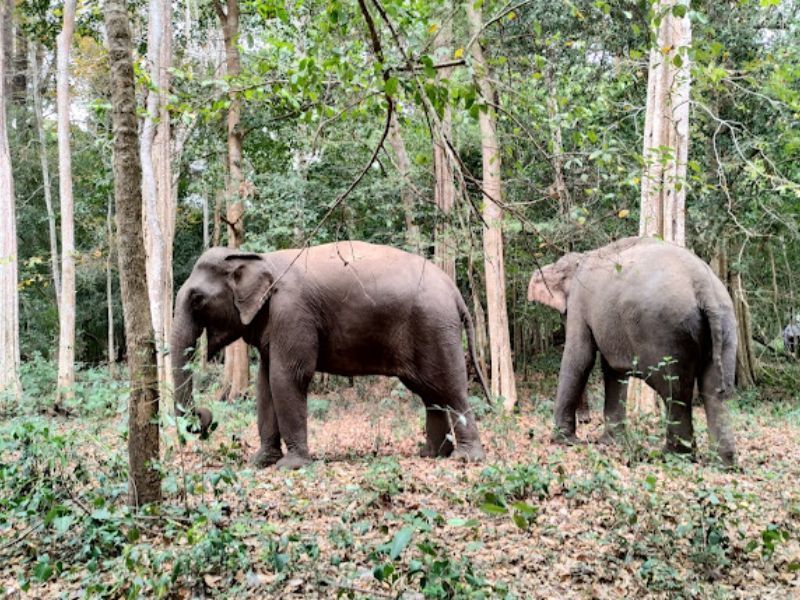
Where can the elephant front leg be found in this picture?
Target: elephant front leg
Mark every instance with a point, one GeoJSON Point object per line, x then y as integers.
{"type": "Point", "coordinates": [270, 451]}
{"type": "Point", "coordinates": [576, 365]}
{"type": "Point", "coordinates": [288, 387]}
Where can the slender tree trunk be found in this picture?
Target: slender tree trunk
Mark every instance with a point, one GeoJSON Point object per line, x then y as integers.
{"type": "Point", "coordinates": [559, 182]}
{"type": "Point", "coordinates": [143, 442]}
{"type": "Point", "coordinates": [666, 147]}
{"type": "Point", "coordinates": [444, 192]}
{"type": "Point", "coordinates": [503, 383]}
{"type": "Point", "coordinates": [112, 352]}
{"type": "Point", "coordinates": [404, 170]}
{"type": "Point", "coordinates": [746, 363]}
{"type": "Point", "coordinates": [19, 79]}
{"type": "Point", "coordinates": [217, 234]}
{"type": "Point", "coordinates": [66, 346]}
{"type": "Point", "coordinates": [9, 300]}
{"type": "Point", "coordinates": [156, 159]}
{"type": "Point", "coordinates": [237, 366]}
{"type": "Point", "coordinates": [45, 162]}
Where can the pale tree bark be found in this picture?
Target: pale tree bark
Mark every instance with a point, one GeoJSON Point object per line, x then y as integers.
{"type": "Point", "coordinates": [237, 368]}
{"type": "Point", "coordinates": [9, 298]}
{"type": "Point", "coordinates": [403, 165]}
{"type": "Point", "coordinates": [38, 119]}
{"type": "Point", "coordinates": [503, 383]}
{"type": "Point", "coordinates": [112, 352]}
{"type": "Point", "coordinates": [444, 192]}
{"type": "Point", "coordinates": [559, 185]}
{"type": "Point", "coordinates": [156, 157]}
{"type": "Point", "coordinates": [666, 146]}
{"type": "Point", "coordinates": [66, 337]}
{"type": "Point", "coordinates": [144, 483]}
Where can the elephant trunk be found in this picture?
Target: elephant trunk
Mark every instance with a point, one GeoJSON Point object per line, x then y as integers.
{"type": "Point", "coordinates": [185, 333]}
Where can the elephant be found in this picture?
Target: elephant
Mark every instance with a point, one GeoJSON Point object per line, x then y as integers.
{"type": "Point", "coordinates": [654, 311]}
{"type": "Point", "coordinates": [345, 308]}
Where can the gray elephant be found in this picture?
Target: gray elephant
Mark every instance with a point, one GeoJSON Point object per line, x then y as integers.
{"type": "Point", "coordinates": [347, 308]}
{"type": "Point", "coordinates": [655, 311]}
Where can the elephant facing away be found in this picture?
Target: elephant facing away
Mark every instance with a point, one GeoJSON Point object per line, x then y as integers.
{"type": "Point", "coordinates": [347, 308]}
{"type": "Point", "coordinates": [654, 311]}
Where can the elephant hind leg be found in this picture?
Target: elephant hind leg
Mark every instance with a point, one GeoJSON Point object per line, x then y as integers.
{"type": "Point", "coordinates": [448, 419]}
{"type": "Point", "coordinates": [616, 387]}
{"type": "Point", "coordinates": [719, 429]}
{"type": "Point", "coordinates": [677, 391]}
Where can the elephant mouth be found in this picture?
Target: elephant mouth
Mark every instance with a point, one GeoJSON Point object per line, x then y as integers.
{"type": "Point", "coordinates": [216, 342]}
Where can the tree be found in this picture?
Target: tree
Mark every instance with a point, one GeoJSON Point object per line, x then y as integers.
{"type": "Point", "coordinates": [159, 209]}
{"type": "Point", "coordinates": [9, 302]}
{"type": "Point", "coordinates": [503, 383]}
{"type": "Point", "coordinates": [143, 443]}
{"type": "Point", "coordinates": [444, 191]}
{"type": "Point", "coordinates": [237, 366]}
{"type": "Point", "coordinates": [66, 337]}
{"type": "Point", "coordinates": [45, 162]}
{"type": "Point", "coordinates": [666, 144]}
{"type": "Point", "coordinates": [403, 165]}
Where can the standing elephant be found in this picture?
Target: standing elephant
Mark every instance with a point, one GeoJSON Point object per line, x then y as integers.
{"type": "Point", "coordinates": [655, 311]}
{"type": "Point", "coordinates": [347, 308]}
{"type": "Point", "coordinates": [791, 338]}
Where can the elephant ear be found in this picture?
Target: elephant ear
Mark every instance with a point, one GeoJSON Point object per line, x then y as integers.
{"type": "Point", "coordinates": [251, 282]}
{"type": "Point", "coordinates": [548, 287]}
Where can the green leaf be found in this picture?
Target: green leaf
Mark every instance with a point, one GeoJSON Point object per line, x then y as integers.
{"type": "Point", "coordinates": [494, 509]}
{"type": "Point", "coordinates": [400, 541]}
{"type": "Point", "coordinates": [62, 524]}
{"type": "Point", "coordinates": [390, 87]}
{"type": "Point", "coordinates": [677, 61]}
{"type": "Point", "coordinates": [679, 10]}
{"type": "Point", "coordinates": [457, 522]}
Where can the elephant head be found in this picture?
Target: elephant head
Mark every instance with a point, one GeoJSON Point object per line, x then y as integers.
{"type": "Point", "coordinates": [549, 285]}
{"type": "Point", "coordinates": [224, 293]}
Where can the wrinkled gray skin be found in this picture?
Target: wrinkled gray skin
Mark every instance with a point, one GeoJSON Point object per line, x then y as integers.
{"type": "Point", "coordinates": [349, 308]}
{"type": "Point", "coordinates": [637, 301]}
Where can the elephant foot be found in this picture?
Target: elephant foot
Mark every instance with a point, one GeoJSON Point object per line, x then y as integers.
{"type": "Point", "coordinates": [294, 461]}
{"type": "Point", "coordinates": [559, 436]}
{"type": "Point", "coordinates": [265, 457]}
{"type": "Point", "coordinates": [611, 436]}
{"type": "Point", "coordinates": [432, 450]}
{"type": "Point", "coordinates": [469, 453]}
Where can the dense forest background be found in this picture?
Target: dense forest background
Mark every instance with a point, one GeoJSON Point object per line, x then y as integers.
{"type": "Point", "coordinates": [302, 122]}
{"type": "Point", "coordinates": [312, 112]}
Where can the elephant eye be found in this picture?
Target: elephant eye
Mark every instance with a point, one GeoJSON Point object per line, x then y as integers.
{"type": "Point", "coordinates": [197, 299]}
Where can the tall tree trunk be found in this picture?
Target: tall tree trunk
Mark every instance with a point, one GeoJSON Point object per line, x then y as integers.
{"type": "Point", "coordinates": [746, 363]}
{"type": "Point", "coordinates": [9, 300]}
{"type": "Point", "coordinates": [143, 443]}
{"type": "Point", "coordinates": [112, 352]}
{"type": "Point", "coordinates": [66, 344]}
{"type": "Point", "coordinates": [19, 79]}
{"type": "Point", "coordinates": [237, 367]}
{"type": "Point", "coordinates": [559, 183]}
{"type": "Point", "coordinates": [444, 192]}
{"type": "Point", "coordinates": [45, 162]}
{"type": "Point", "coordinates": [157, 183]}
{"type": "Point", "coordinates": [406, 191]}
{"type": "Point", "coordinates": [503, 383]}
{"type": "Point", "coordinates": [666, 146]}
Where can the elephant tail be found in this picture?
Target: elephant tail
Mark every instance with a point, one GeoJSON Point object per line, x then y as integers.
{"type": "Point", "coordinates": [466, 319]}
{"type": "Point", "coordinates": [722, 324]}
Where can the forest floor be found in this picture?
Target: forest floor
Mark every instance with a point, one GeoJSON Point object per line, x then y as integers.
{"type": "Point", "coordinates": [369, 519]}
